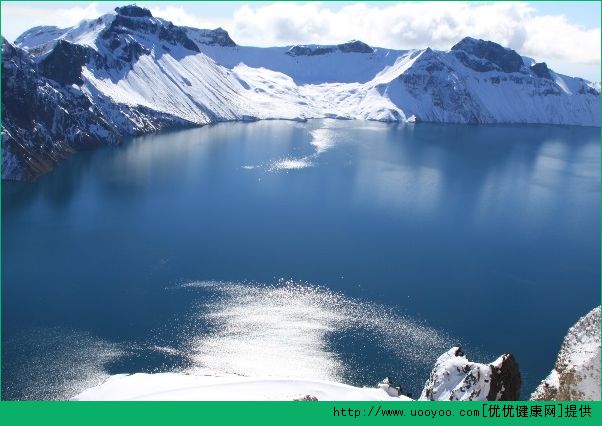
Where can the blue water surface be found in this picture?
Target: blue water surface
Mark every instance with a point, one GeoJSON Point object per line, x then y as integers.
{"type": "Point", "coordinates": [487, 236]}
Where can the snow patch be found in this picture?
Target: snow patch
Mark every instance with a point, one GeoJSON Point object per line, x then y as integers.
{"type": "Point", "coordinates": [184, 387]}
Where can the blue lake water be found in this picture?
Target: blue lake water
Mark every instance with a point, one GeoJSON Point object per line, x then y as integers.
{"type": "Point", "coordinates": [343, 250]}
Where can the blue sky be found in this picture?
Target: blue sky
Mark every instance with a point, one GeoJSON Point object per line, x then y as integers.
{"type": "Point", "coordinates": [564, 34]}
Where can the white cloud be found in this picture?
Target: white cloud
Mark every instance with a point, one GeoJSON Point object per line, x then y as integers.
{"type": "Point", "coordinates": [33, 16]}
{"type": "Point", "coordinates": [552, 38]}
{"type": "Point", "coordinates": [410, 25]}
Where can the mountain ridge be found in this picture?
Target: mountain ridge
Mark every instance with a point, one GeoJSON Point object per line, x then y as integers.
{"type": "Point", "coordinates": [140, 74]}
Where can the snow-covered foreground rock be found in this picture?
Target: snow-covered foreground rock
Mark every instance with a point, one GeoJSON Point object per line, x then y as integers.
{"type": "Point", "coordinates": [576, 374]}
{"type": "Point", "coordinates": [454, 378]}
{"type": "Point", "coordinates": [184, 387]}
{"type": "Point", "coordinates": [128, 73]}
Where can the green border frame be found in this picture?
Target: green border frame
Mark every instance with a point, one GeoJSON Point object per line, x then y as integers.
{"type": "Point", "coordinates": [302, 413]}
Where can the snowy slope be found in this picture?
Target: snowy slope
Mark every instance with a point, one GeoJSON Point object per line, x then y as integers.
{"type": "Point", "coordinates": [142, 74]}
{"type": "Point", "coordinates": [184, 387]}
{"type": "Point", "coordinates": [353, 64]}
{"type": "Point", "coordinates": [439, 87]}
{"type": "Point", "coordinates": [576, 374]}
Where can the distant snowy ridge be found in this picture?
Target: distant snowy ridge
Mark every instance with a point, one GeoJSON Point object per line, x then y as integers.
{"type": "Point", "coordinates": [576, 374]}
{"type": "Point", "coordinates": [140, 74]}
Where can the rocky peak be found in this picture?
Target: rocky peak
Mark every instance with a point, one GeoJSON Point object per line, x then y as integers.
{"type": "Point", "coordinates": [222, 38]}
{"type": "Point", "coordinates": [133, 11]}
{"type": "Point", "coordinates": [541, 70]}
{"type": "Point", "coordinates": [302, 50]}
{"type": "Point", "coordinates": [133, 21]}
{"type": "Point", "coordinates": [355, 46]}
{"type": "Point", "coordinates": [490, 55]}
{"type": "Point", "coordinates": [216, 37]}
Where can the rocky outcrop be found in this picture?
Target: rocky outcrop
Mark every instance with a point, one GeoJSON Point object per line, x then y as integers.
{"type": "Point", "coordinates": [42, 122]}
{"type": "Point", "coordinates": [541, 70]}
{"type": "Point", "coordinates": [134, 19]}
{"type": "Point", "coordinates": [576, 374]}
{"type": "Point", "coordinates": [300, 50]}
{"type": "Point", "coordinates": [455, 378]}
{"type": "Point", "coordinates": [64, 63]}
{"type": "Point", "coordinates": [216, 37]}
{"type": "Point", "coordinates": [492, 54]}
{"type": "Point", "coordinates": [355, 46]}
{"type": "Point", "coordinates": [133, 11]}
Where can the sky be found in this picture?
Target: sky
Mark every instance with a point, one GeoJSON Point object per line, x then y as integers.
{"type": "Point", "coordinates": [565, 34]}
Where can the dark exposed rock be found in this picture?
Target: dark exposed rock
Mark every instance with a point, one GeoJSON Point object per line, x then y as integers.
{"type": "Point", "coordinates": [222, 38]}
{"type": "Point", "coordinates": [176, 35]}
{"type": "Point", "coordinates": [127, 50]}
{"type": "Point", "coordinates": [42, 122]}
{"type": "Point", "coordinates": [589, 91]}
{"type": "Point", "coordinates": [306, 398]}
{"type": "Point", "coordinates": [505, 380]}
{"type": "Point", "coordinates": [503, 58]}
{"type": "Point", "coordinates": [64, 63]}
{"type": "Point", "coordinates": [479, 65]}
{"type": "Point", "coordinates": [300, 50]}
{"type": "Point", "coordinates": [551, 91]}
{"type": "Point", "coordinates": [541, 70]}
{"type": "Point", "coordinates": [133, 11]}
{"type": "Point", "coordinates": [355, 46]}
{"type": "Point", "coordinates": [431, 77]}
{"type": "Point", "coordinates": [456, 378]}
{"type": "Point", "coordinates": [125, 24]}
{"type": "Point", "coordinates": [216, 37]}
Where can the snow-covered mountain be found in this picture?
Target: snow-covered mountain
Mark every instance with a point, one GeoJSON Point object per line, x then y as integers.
{"type": "Point", "coordinates": [128, 73]}
{"type": "Point", "coordinates": [43, 121]}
